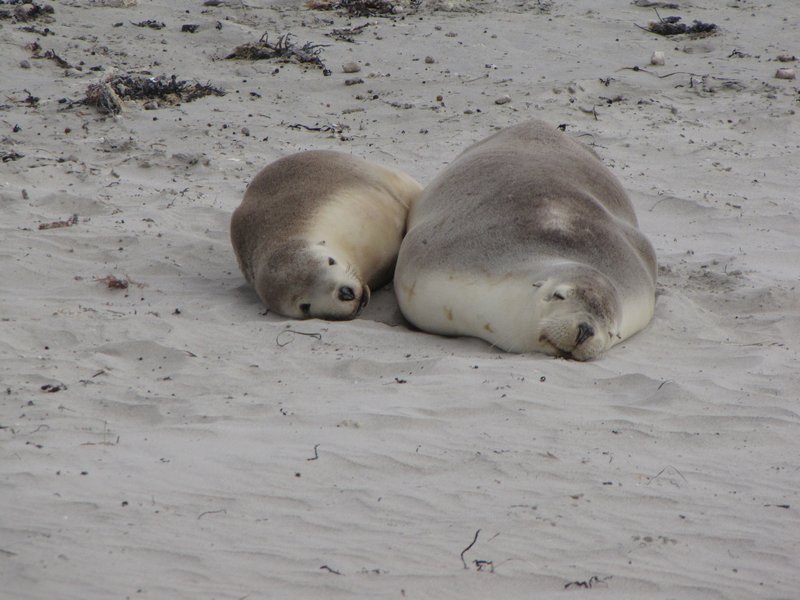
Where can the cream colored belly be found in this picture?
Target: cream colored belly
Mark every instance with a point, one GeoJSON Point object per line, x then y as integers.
{"type": "Point", "coordinates": [501, 310]}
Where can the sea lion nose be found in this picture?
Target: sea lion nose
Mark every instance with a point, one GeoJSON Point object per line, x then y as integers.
{"type": "Point", "coordinates": [585, 331]}
{"type": "Point", "coordinates": [346, 294]}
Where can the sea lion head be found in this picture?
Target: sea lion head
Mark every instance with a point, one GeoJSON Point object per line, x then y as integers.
{"type": "Point", "coordinates": [580, 314]}
{"type": "Point", "coordinates": [305, 281]}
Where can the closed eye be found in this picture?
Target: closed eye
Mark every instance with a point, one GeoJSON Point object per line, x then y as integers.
{"type": "Point", "coordinates": [558, 296]}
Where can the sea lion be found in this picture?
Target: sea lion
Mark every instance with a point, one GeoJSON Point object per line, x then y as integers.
{"type": "Point", "coordinates": [529, 242]}
{"type": "Point", "coordinates": [317, 230]}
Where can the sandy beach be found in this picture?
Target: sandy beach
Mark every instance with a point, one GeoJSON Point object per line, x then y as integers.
{"type": "Point", "coordinates": [162, 437]}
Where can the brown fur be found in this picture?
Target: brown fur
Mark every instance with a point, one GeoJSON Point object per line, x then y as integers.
{"type": "Point", "coordinates": [284, 206]}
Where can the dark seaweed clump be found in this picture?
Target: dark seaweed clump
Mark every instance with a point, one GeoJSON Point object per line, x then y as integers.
{"type": "Point", "coordinates": [672, 26]}
{"type": "Point", "coordinates": [24, 10]}
{"type": "Point", "coordinates": [284, 49]}
{"type": "Point", "coordinates": [355, 8]}
{"type": "Point", "coordinates": [107, 95]}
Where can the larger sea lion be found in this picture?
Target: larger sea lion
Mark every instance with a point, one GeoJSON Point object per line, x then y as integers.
{"type": "Point", "coordinates": [528, 241]}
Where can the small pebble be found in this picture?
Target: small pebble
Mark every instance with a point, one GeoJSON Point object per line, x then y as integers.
{"type": "Point", "coordinates": [787, 58]}
{"type": "Point", "coordinates": [503, 100]}
{"type": "Point", "coordinates": [354, 81]}
{"type": "Point", "coordinates": [657, 58]}
{"type": "Point", "coordinates": [24, 64]}
{"type": "Point", "coordinates": [351, 67]}
{"type": "Point", "coordinates": [785, 73]}
{"type": "Point", "coordinates": [429, 60]}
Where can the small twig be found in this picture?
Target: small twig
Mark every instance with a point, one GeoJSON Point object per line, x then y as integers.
{"type": "Point", "coordinates": [316, 454]}
{"type": "Point", "coordinates": [665, 382]}
{"type": "Point", "coordinates": [481, 564]}
{"type": "Point", "coordinates": [317, 336]}
{"type": "Point", "coordinates": [676, 73]}
{"type": "Point", "coordinates": [327, 568]}
{"type": "Point", "coordinates": [662, 471]}
{"type": "Point", "coordinates": [329, 128]}
{"type": "Point", "coordinates": [639, 69]}
{"type": "Point", "coordinates": [211, 512]}
{"type": "Point", "coordinates": [345, 35]}
{"type": "Point", "coordinates": [475, 539]}
{"type": "Point", "coordinates": [484, 76]}
{"type": "Point", "coordinates": [657, 203]}
{"type": "Point", "coordinates": [593, 144]}
{"type": "Point", "coordinates": [588, 583]}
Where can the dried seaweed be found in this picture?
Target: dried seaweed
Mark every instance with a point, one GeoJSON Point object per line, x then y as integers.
{"type": "Point", "coordinates": [655, 4]}
{"type": "Point", "coordinates": [346, 34]}
{"type": "Point", "coordinates": [25, 11]}
{"type": "Point", "coordinates": [108, 95]}
{"type": "Point", "coordinates": [51, 54]}
{"type": "Point", "coordinates": [30, 99]}
{"type": "Point", "coordinates": [33, 29]}
{"type": "Point", "coordinates": [102, 96]}
{"type": "Point", "coordinates": [113, 282]}
{"type": "Point", "coordinates": [152, 24]}
{"type": "Point", "coordinates": [73, 220]}
{"type": "Point", "coordinates": [355, 8]}
{"type": "Point", "coordinates": [672, 26]}
{"type": "Point", "coordinates": [284, 49]}
{"type": "Point", "coordinates": [9, 156]}
{"type": "Point", "coordinates": [327, 128]}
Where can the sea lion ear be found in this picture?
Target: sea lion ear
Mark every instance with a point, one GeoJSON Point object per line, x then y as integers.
{"type": "Point", "coordinates": [561, 292]}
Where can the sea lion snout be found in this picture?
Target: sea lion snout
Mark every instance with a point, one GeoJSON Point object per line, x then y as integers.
{"type": "Point", "coordinates": [585, 331]}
